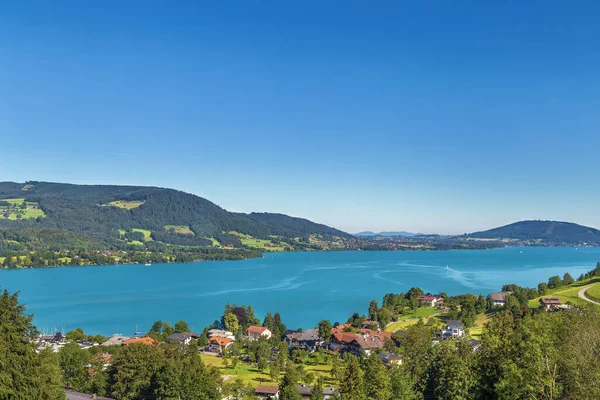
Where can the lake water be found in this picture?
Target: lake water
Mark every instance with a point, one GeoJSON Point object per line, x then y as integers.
{"type": "Point", "coordinates": [303, 287]}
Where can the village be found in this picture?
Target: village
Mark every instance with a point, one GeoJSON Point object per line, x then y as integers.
{"type": "Point", "coordinates": [360, 337]}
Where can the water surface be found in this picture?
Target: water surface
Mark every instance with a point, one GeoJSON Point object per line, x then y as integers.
{"type": "Point", "coordinates": [303, 287]}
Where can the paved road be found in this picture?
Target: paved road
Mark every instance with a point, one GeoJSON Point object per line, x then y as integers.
{"type": "Point", "coordinates": [581, 295]}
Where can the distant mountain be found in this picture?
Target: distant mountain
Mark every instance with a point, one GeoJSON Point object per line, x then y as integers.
{"type": "Point", "coordinates": [547, 231]}
{"type": "Point", "coordinates": [385, 233]}
{"type": "Point", "coordinates": [113, 214]}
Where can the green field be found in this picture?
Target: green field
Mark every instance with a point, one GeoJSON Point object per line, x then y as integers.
{"type": "Point", "coordinates": [181, 229]}
{"type": "Point", "coordinates": [262, 244]}
{"type": "Point", "coordinates": [126, 205]}
{"type": "Point", "coordinates": [214, 241]}
{"type": "Point", "coordinates": [593, 293]}
{"type": "Point", "coordinates": [146, 232]}
{"type": "Point", "coordinates": [566, 293]}
{"type": "Point", "coordinates": [15, 212]}
{"type": "Point", "coordinates": [250, 375]}
{"type": "Point", "coordinates": [408, 319]}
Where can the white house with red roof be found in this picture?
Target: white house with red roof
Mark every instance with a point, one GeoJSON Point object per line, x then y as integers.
{"type": "Point", "coordinates": [431, 300]}
{"type": "Point", "coordinates": [256, 332]}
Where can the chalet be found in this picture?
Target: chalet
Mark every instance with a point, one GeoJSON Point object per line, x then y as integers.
{"type": "Point", "coordinates": [267, 392]}
{"type": "Point", "coordinates": [498, 299]}
{"type": "Point", "coordinates": [220, 333]}
{"type": "Point", "coordinates": [390, 359]}
{"type": "Point", "coordinates": [255, 332]}
{"type": "Point", "coordinates": [184, 338]}
{"type": "Point", "coordinates": [307, 340]}
{"type": "Point", "coordinates": [431, 300]}
{"type": "Point", "coordinates": [217, 344]}
{"type": "Point", "coordinates": [454, 329]}
{"type": "Point", "coordinates": [550, 303]}
{"type": "Point", "coordinates": [306, 391]}
{"type": "Point", "coordinates": [143, 340]}
{"type": "Point", "coordinates": [354, 343]}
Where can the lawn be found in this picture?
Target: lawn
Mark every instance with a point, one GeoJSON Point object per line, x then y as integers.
{"type": "Point", "coordinates": [406, 320]}
{"type": "Point", "coordinates": [566, 293]}
{"type": "Point", "coordinates": [214, 241]}
{"type": "Point", "coordinates": [146, 233]}
{"type": "Point", "coordinates": [181, 229]}
{"type": "Point", "coordinates": [480, 321]}
{"type": "Point", "coordinates": [250, 241]}
{"type": "Point", "coordinates": [593, 293]}
{"type": "Point", "coordinates": [31, 211]}
{"type": "Point", "coordinates": [126, 205]}
{"type": "Point", "coordinates": [250, 374]}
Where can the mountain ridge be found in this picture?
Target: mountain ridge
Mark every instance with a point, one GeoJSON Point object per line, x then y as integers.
{"type": "Point", "coordinates": [544, 230]}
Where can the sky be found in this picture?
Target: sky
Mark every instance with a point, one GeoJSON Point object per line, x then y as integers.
{"type": "Point", "coordinates": [436, 117]}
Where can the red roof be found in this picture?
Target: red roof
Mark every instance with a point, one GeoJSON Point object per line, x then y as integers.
{"type": "Point", "coordinates": [549, 300]}
{"type": "Point", "coordinates": [260, 389]}
{"type": "Point", "coordinates": [427, 298]}
{"type": "Point", "coordinates": [345, 337]}
{"type": "Point", "coordinates": [256, 329]}
{"type": "Point", "coordinates": [144, 340]}
{"type": "Point", "coordinates": [221, 341]}
{"type": "Point", "coordinates": [340, 328]}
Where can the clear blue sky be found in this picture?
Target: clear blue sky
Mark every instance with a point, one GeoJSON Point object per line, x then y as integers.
{"type": "Point", "coordinates": [430, 116]}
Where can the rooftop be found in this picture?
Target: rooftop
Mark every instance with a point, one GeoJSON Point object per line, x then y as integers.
{"type": "Point", "coordinates": [261, 389]}
{"type": "Point", "coordinates": [71, 395]}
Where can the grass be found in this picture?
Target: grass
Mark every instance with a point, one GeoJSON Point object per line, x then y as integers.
{"type": "Point", "coordinates": [214, 241]}
{"type": "Point", "coordinates": [31, 211]}
{"type": "Point", "coordinates": [250, 375]}
{"type": "Point", "coordinates": [480, 321]}
{"type": "Point", "coordinates": [181, 229]}
{"type": "Point", "coordinates": [428, 314]}
{"type": "Point", "coordinates": [146, 232]}
{"type": "Point", "coordinates": [250, 241]}
{"type": "Point", "coordinates": [593, 293]}
{"type": "Point", "coordinates": [566, 293]}
{"type": "Point", "coordinates": [126, 205]}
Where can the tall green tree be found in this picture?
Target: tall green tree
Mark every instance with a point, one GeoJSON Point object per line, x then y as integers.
{"type": "Point", "coordinates": [373, 308]}
{"type": "Point", "coordinates": [181, 326]}
{"type": "Point", "coordinates": [403, 387]}
{"type": "Point", "coordinates": [324, 329]}
{"type": "Point", "coordinates": [133, 370]}
{"type": "Point", "coordinates": [377, 378]}
{"type": "Point", "coordinates": [24, 374]}
{"type": "Point", "coordinates": [231, 322]}
{"type": "Point", "coordinates": [287, 388]}
{"type": "Point", "coordinates": [73, 363]}
{"type": "Point", "coordinates": [453, 372]}
{"type": "Point", "coordinates": [352, 386]}
{"type": "Point", "coordinates": [317, 391]}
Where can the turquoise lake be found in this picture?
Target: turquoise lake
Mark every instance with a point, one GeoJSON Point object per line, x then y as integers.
{"type": "Point", "coordinates": [303, 287]}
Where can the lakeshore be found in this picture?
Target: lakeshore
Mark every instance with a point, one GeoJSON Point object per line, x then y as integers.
{"type": "Point", "coordinates": [303, 287]}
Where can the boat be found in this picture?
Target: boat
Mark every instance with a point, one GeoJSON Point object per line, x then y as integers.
{"type": "Point", "coordinates": [147, 264]}
{"type": "Point", "coordinates": [447, 266]}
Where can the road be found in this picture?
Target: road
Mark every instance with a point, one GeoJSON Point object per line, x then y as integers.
{"type": "Point", "coordinates": [581, 295]}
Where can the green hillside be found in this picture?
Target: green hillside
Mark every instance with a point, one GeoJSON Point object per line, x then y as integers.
{"type": "Point", "coordinates": [108, 216]}
{"type": "Point", "coordinates": [543, 231]}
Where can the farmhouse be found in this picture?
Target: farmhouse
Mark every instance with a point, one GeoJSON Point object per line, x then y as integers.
{"type": "Point", "coordinates": [217, 344]}
{"type": "Point", "coordinates": [550, 303]}
{"type": "Point", "coordinates": [255, 332]}
{"type": "Point", "coordinates": [267, 392]}
{"type": "Point", "coordinates": [431, 300]}
{"type": "Point", "coordinates": [184, 338]}
{"type": "Point", "coordinates": [499, 298]}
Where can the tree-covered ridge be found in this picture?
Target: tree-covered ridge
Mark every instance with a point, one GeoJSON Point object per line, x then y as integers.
{"type": "Point", "coordinates": [108, 217]}
{"type": "Point", "coordinates": [546, 231]}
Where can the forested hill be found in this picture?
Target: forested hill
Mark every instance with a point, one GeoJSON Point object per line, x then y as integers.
{"type": "Point", "coordinates": [546, 231]}
{"type": "Point", "coordinates": [116, 214]}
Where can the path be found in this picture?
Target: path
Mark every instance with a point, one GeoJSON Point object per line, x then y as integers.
{"type": "Point", "coordinates": [581, 295]}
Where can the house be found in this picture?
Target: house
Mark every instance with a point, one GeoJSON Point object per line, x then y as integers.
{"type": "Point", "coordinates": [370, 324]}
{"type": "Point", "coordinates": [267, 392]}
{"type": "Point", "coordinates": [354, 343]}
{"type": "Point", "coordinates": [475, 344]}
{"type": "Point", "coordinates": [217, 344]}
{"type": "Point", "coordinates": [431, 300]}
{"type": "Point", "coordinates": [390, 359]}
{"type": "Point", "coordinates": [116, 340]}
{"type": "Point", "coordinates": [382, 335]}
{"type": "Point", "coordinates": [454, 329]}
{"type": "Point", "coordinates": [220, 333]}
{"type": "Point", "coordinates": [306, 391]}
{"type": "Point", "coordinates": [499, 298]}
{"type": "Point", "coordinates": [550, 303]}
{"type": "Point", "coordinates": [307, 340]}
{"type": "Point", "coordinates": [184, 338]}
{"type": "Point", "coordinates": [143, 340]}
{"type": "Point", "coordinates": [255, 332]}
{"type": "Point", "coordinates": [340, 328]}
{"type": "Point", "coordinates": [71, 395]}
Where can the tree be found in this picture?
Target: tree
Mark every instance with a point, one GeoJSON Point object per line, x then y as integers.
{"type": "Point", "coordinates": [133, 370]}
{"type": "Point", "coordinates": [317, 391]}
{"type": "Point", "coordinates": [324, 329]}
{"type": "Point", "coordinates": [73, 362]}
{"type": "Point", "coordinates": [352, 386]}
{"type": "Point", "coordinates": [542, 288]}
{"type": "Point", "coordinates": [554, 282]}
{"type": "Point", "coordinates": [75, 335]}
{"type": "Point", "coordinates": [377, 379]}
{"type": "Point", "coordinates": [181, 326]}
{"type": "Point", "coordinates": [568, 279]}
{"type": "Point", "coordinates": [274, 371]}
{"type": "Point", "coordinates": [167, 329]}
{"type": "Point", "coordinates": [373, 308]}
{"type": "Point", "coordinates": [402, 385]}
{"type": "Point", "coordinates": [157, 327]}
{"type": "Point", "coordinates": [384, 316]}
{"type": "Point", "coordinates": [287, 388]}
{"type": "Point", "coordinates": [414, 292]}
{"type": "Point", "coordinates": [24, 374]}
{"type": "Point", "coordinates": [453, 371]}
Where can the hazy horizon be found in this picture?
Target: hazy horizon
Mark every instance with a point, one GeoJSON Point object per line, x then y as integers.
{"type": "Point", "coordinates": [435, 118]}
